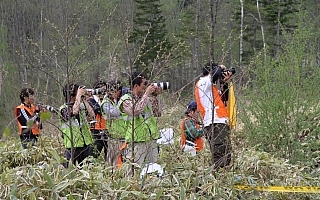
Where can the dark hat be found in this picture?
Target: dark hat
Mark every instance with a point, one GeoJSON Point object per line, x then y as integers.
{"type": "Point", "coordinates": [70, 89]}
{"type": "Point", "coordinates": [113, 86]}
{"type": "Point", "coordinates": [99, 84]}
{"type": "Point", "coordinates": [191, 106]}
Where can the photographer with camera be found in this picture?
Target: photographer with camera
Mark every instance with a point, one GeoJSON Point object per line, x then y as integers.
{"type": "Point", "coordinates": [142, 132]}
{"type": "Point", "coordinates": [76, 133]}
{"type": "Point", "coordinates": [191, 130]}
{"type": "Point", "coordinates": [98, 126]}
{"type": "Point", "coordinates": [27, 115]}
{"type": "Point", "coordinates": [116, 124]}
{"type": "Point", "coordinates": [211, 104]}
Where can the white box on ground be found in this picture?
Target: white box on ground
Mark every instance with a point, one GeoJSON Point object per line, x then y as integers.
{"type": "Point", "coordinates": [166, 136]}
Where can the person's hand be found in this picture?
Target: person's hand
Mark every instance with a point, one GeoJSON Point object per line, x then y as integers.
{"type": "Point", "coordinates": [158, 90]}
{"type": "Point", "coordinates": [150, 89]}
{"type": "Point", "coordinates": [227, 75]}
{"type": "Point", "coordinates": [81, 91]}
{"type": "Point", "coordinates": [37, 108]}
{"type": "Point", "coordinates": [222, 67]}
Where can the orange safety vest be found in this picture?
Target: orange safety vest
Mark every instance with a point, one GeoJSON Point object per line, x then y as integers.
{"type": "Point", "coordinates": [101, 123]}
{"type": "Point", "coordinates": [120, 158]}
{"type": "Point", "coordinates": [198, 141]}
{"type": "Point", "coordinates": [35, 127]}
{"type": "Point", "coordinates": [221, 108]}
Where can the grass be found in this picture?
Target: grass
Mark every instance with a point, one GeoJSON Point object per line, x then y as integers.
{"type": "Point", "coordinates": [38, 174]}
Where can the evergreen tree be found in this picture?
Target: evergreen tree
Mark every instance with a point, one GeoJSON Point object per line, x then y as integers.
{"type": "Point", "coordinates": [149, 34]}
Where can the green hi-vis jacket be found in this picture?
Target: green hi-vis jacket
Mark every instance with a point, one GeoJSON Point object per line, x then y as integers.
{"type": "Point", "coordinates": [81, 134]}
{"type": "Point", "coordinates": [117, 127]}
{"type": "Point", "coordinates": [143, 127]}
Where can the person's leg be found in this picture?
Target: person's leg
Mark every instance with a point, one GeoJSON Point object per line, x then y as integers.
{"type": "Point", "coordinates": [222, 146]}
{"type": "Point", "coordinates": [67, 155]}
{"type": "Point", "coordinates": [76, 155]}
{"type": "Point", "coordinates": [28, 141]}
{"type": "Point", "coordinates": [81, 153]}
{"type": "Point", "coordinates": [113, 151]}
{"type": "Point", "coordinates": [86, 152]}
{"type": "Point", "coordinates": [98, 143]}
{"type": "Point", "coordinates": [152, 152]}
{"type": "Point", "coordinates": [105, 147]}
{"type": "Point", "coordinates": [24, 142]}
{"type": "Point", "coordinates": [209, 135]}
{"type": "Point", "coordinates": [137, 155]}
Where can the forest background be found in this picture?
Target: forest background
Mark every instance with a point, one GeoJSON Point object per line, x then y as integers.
{"type": "Point", "coordinates": [272, 44]}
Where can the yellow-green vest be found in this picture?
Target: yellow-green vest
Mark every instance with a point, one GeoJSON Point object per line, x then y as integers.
{"type": "Point", "coordinates": [143, 127]}
{"type": "Point", "coordinates": [81, 132]}
{"type": "Point", "coordinates": [117, 127]}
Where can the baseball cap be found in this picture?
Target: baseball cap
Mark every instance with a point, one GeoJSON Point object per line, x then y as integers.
{"type": "Point", "coordinates": [191, 106]}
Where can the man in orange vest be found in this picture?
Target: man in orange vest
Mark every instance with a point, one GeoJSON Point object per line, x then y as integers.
{"type": "Point", "coordinates": [214, 113]}
{"type": "Point", "coordinates": [98, 125]}
{"type": "Point", "coordinates": [191, 129]}
{"type": "Point", "coordinates": [27, 116]}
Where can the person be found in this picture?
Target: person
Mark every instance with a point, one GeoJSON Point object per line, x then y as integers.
{"type": "Point", "coordinates": [142, 132]}
{"type": "Point", "coordinates": [116, 124]}
{"type": "Point", "coordinates": [214, 113]}
{"type": "Point", "coordinates": [98, 126]}
{"type": "Point", "coordinates": [76, 134]}
{"type": "Point", "coordinates": [191, 129]}
{"type": "Point", "coordinates": [28, 118]}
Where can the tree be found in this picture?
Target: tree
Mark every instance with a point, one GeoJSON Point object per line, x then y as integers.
{"type": "Point", "coordinates": [149, 35]}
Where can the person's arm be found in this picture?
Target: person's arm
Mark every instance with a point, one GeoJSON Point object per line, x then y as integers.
{"type": "Point", "coordinates": [110, 110]}
{"type": "Point", "coordinates": [76, 106]}
{"type": "Point", "coordinates": [191, 130]}
{"type": "Point", "coordinates": [155, 106]}
{"type": "Point", "coordinates": [136, 108]}
{"type": "Point", "coordinates": [89, 109]}
{"type": "Point", "coordinates": [216, 73]}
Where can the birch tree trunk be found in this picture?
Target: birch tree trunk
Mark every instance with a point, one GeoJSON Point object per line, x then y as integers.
{"type": "Point", "coordinates": [1, 71]}
{"type": "Point", "coordinates": [241, 39]}
{"type": "Point", "coordinates": [262, 31]}
{"type": "Point", "coordinates": [278, 32]}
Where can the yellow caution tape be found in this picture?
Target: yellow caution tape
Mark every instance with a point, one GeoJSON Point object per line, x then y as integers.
{"type": "Point", "coordinates": [301, 189]}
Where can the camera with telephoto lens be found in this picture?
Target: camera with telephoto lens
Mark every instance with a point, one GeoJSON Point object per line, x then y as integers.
{"type": "Point", "coordinates": [97, 91]}
{"type": "Point", "coordinates": [224, 72]}
{"type": "Point", "coordinates": [48, 108]}
{"type": "Point", "coordinates": [163, 85]}
{"type": "Point", "coordinates": [218, 72]}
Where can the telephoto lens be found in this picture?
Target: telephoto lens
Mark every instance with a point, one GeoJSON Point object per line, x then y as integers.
{"type": "Point", "coordinates": [49, 108]}
{"type": "Point", "coordinates": [97, 91]}
{"type": "Point", "coordinates": [163, 85]}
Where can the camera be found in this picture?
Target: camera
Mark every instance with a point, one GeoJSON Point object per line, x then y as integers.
{"type": "Point", "coordinates": [97, 91]}
{"type": "Point", "coordinates": [219, 74]}
{"type": "Point", "coordinates": [232, 70]}
{"type": "Point", "coordinates": [49, 108]}
{"type": "Point", "coordinates": [163, 85]}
